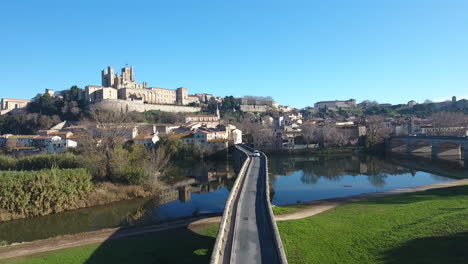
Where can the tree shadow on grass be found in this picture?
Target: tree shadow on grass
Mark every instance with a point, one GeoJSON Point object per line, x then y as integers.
{"type": "Point", "coordinates": [442, 249]}
{"type": "Point", "coordinates": [179, 245]}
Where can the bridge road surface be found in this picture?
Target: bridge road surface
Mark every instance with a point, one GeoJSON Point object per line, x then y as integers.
{"type": "Point", "coordinates": [253, 240]}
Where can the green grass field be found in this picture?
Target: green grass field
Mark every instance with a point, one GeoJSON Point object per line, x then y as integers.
{"type": "Point", "coordinates": [289, 209]}
{"type": "Point", "coordinates": [174, 246]}
{"type": "Point", "coordinates": [424, 227]}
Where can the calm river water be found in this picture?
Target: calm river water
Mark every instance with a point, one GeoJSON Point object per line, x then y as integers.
{"type": "Point", "coordinates": [203, 187]}
{"type": "Point", "coordinates": [303, 179]}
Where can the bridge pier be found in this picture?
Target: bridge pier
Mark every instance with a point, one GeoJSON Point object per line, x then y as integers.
{"type": "Point", "coordinates": [447, 151]}
{"type": "Point", "coordinates": [423, 149]}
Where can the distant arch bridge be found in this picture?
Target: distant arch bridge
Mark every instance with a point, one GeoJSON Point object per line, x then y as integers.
{"type": "Point", "coordinates": [434, 145]}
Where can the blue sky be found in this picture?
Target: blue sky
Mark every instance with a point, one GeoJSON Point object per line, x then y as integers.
{"type": "Point", "coordinates": [298, 52]}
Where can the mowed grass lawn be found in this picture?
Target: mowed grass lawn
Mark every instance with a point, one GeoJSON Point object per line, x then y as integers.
{"type": "Point", "coordinates": [173, 246]}
{"type": "Point", "coordinates": [424, 227]}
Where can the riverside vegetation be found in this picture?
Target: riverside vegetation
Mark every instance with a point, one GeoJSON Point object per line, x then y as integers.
{"type": "Point", "coordinates": [111, 167]}
{"type": "Point", "coordinates": [51, 183]}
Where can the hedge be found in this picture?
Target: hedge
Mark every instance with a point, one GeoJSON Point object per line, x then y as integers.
{"type": "Point", "coordinates": [33, 193]}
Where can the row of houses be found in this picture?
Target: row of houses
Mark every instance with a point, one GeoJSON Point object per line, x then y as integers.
{"type": "Point", "coordinates": [55, 142]}
{"type": "Point", "coordinates": [58, 141]}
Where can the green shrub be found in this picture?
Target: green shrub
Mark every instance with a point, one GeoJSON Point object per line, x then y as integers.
{"type": "Point", "coordinates": [41, 161]}
{"type": "Point", "coordinates": [132, 175]}
{"type": "Point", "coordinates": [7, 162]}
{"type": "Point", "coordinates": [42, 192]}
{"type": "Point", "coordinates": [48, 161]}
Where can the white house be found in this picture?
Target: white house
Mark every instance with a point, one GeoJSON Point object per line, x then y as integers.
{"type": "Point", "coordinates": [57, 145]}
{"type": "Point", "coordinates": [235, 136]}
{"type": "Point", "coordinates": [147, 140]}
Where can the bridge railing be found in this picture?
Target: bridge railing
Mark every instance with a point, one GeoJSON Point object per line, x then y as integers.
{"type": "Point", "coordinates": [223, 233]}
{"type": "Point", "coordinates": [278, 242]}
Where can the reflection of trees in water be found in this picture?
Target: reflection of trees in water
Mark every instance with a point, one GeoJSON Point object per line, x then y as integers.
{"type": "Point", "coordinates": [185, 178]}
{"type": "Point", "coordinates": [200, 170]}
{"type": "Point", "coordinates": [143, 214]}
{"type": "Point", "coordinates": [308, 178]}
{"type": "Point", "coordinates": [377, 180]}
{"type": "Point", "coordinates": [333, 167]}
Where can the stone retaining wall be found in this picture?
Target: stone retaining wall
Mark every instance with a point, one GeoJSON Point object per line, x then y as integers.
{"type": "Point", "coordinates": [123, 105]}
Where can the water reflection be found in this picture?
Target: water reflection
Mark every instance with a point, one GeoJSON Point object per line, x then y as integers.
{"type": "Point", "coordinates": [193, 188]}
{"type": "Point", "coordinates": [303, 178]}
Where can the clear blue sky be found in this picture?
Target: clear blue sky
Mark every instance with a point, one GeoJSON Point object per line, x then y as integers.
{"type": "Point", "coordinates": [298, 52]}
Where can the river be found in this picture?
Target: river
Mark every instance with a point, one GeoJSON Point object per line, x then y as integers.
{"type": "Point", "coordinates": [203, 187]}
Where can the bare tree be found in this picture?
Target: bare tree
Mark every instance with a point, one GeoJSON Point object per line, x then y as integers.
{"type": "Point", "coordinates": [156, 165]}
{"type": "Point", "coordinates": [309, 132]}
{"type": "Point", "coordinates": [333, 136]}
{"type": "Point", "coordinates": [448, 123]}
{"type": "Point", "coordinates": [449, 119]}
{"type": "Point", "coordinates": [263, 138]}
{"type": "Point", "coordinates": [109, 130]}
{"type": "Point", "coordinates": [329, 135]}
{"type": "Point", "coordinates": [377, 131]}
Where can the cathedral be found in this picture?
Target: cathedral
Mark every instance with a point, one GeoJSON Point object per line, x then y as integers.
{"type": "Point", "coordinates": [115, 86]}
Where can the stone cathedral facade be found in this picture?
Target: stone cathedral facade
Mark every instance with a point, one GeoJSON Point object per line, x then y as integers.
{"type": "Point", "coordinates": [115, 86]}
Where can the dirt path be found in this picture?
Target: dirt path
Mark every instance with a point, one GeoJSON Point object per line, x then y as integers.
{"type": "Point", "coordinates": [61, 242]}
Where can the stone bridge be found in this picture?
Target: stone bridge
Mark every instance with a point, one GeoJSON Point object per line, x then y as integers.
{"type": "Point", "coordinates": [248, 231]}
{"type": "Point", "coordinates": [434, 145]}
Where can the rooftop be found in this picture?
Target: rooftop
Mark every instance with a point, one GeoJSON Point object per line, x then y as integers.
{"type": "Point", "coordinates": [75, 137]}
{"type": "Point", "coordinates": [14, 99]}
{"type": "Point", "coordinates": [60, 133]}
{"type": "Point", "coordinates": [24, 136]}
{"type": "Point", "coordinates": [144, 136]}
{"type": "Point", "coordinates": [201, 116]}
{"type": "Point", "coordinates": [176, 136]}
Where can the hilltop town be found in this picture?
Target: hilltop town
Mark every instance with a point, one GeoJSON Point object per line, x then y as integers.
{"type": "Point", "coordinates": [212, 122]}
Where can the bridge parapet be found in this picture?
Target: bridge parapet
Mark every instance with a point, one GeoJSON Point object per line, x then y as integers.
{"type": "Point", "coordinates": [278, 242]}
{"type": "Point", "coordinates": [224, 231]}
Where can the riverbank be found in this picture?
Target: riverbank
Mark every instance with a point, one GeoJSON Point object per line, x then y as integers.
{"type": "Point", "coordinates": [102, 193]}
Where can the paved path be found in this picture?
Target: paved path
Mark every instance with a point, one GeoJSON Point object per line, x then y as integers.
{"type": "Point", "coordinates": [253, 240]}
